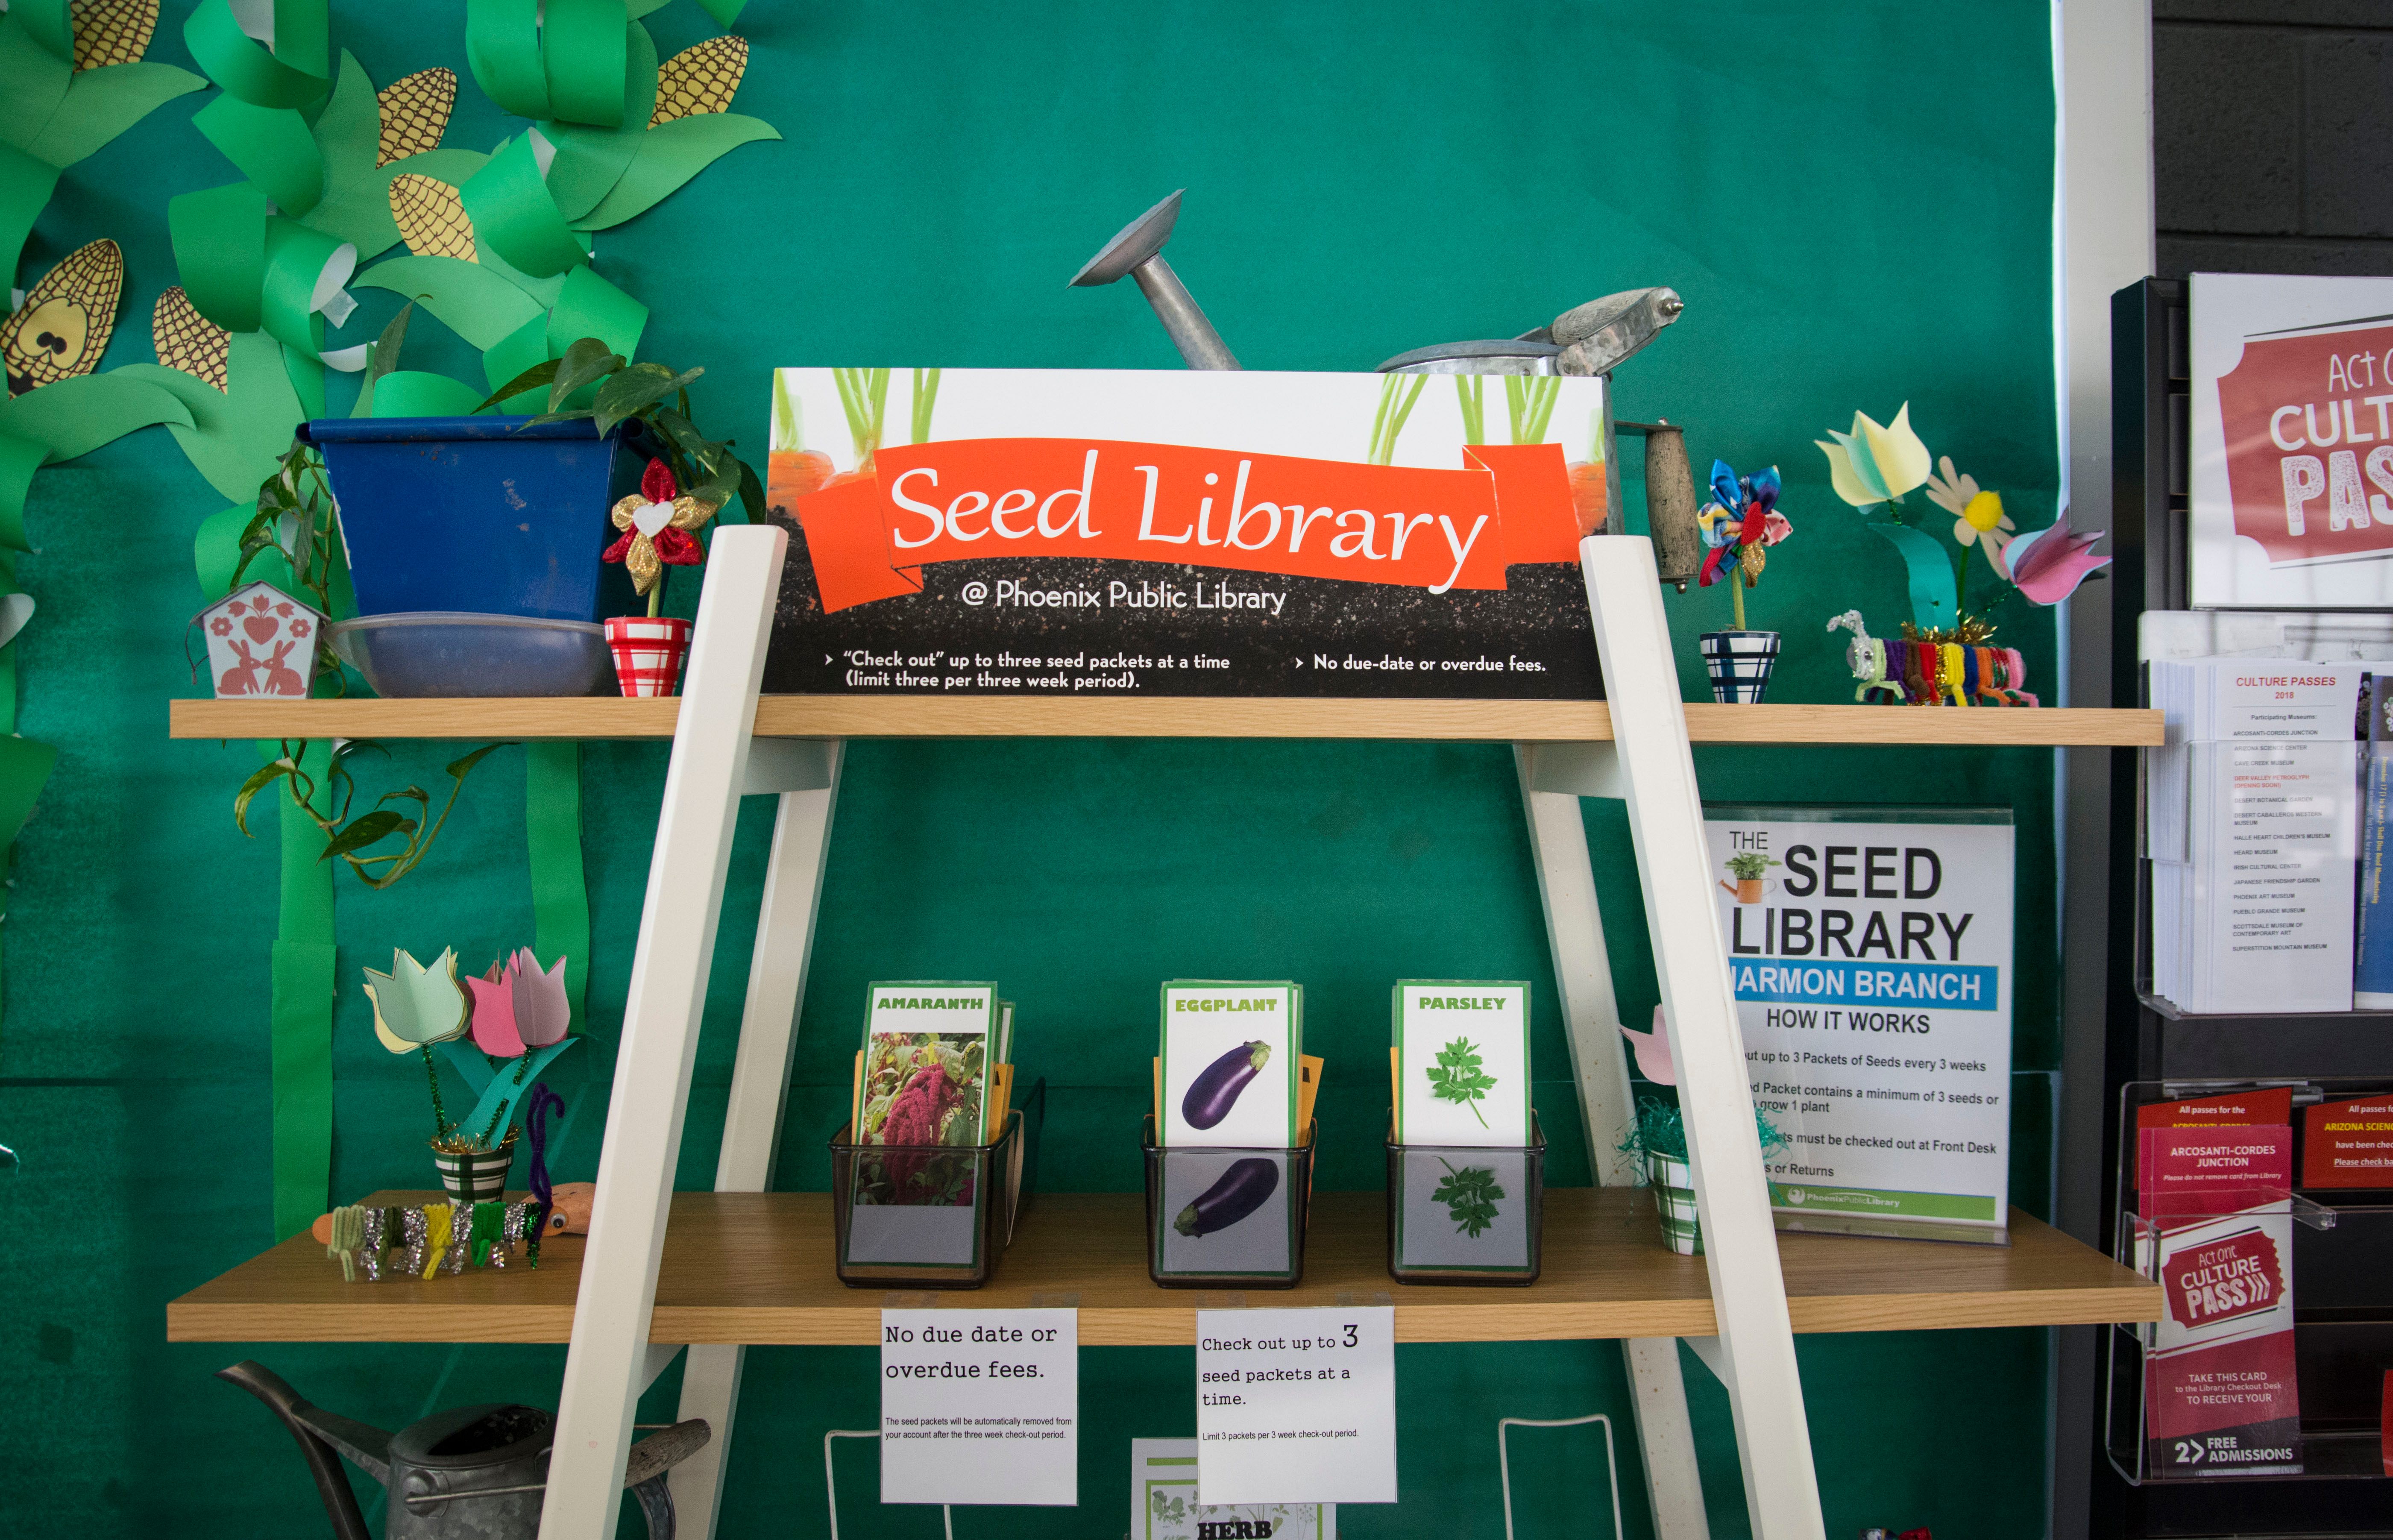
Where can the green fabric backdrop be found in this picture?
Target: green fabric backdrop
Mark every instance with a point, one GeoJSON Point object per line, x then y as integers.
{"type": "Point", "coordinates": [1855, 204]}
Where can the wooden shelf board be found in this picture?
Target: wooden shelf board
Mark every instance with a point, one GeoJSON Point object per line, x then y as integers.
{"type": "Point", "coordinates": [1177, 716]}
{"type": "Point", "coordinates": [756, 1268]}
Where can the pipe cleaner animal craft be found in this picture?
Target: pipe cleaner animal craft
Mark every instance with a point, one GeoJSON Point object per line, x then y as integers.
{"type": "Point", "coordinates": [1896, 671]}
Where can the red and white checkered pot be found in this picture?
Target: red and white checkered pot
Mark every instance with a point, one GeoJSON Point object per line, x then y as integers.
{"type": "Point", "coordinates": [649, 651]}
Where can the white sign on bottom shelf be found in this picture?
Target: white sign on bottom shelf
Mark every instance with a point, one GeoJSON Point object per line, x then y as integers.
{"type": "Point", "coordinates": [980, 1406]}
{"type": "Point", "coordinates": [1163, 1502]}
{"type": "Point", "coordinates": [1295, 1406]}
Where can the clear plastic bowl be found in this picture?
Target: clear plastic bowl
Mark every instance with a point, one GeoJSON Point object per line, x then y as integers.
{"type": "Point", "coordinates": [447, 653]}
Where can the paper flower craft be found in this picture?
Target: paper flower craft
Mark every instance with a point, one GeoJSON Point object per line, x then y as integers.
{"type": "Point", "coordinates": [1739, 527]}
{"type": "Point", "coordinates": [658, 522]}
{"type": "Point", "coordinates": [2048, 565]}
{"type": "Point", "coordinates": [414, 1005]}
{"type": "Point", "coordinates": [517, 1007]}
{"type": "Point", "coordinates": [1978, 516]}
{"type": "Point", "coordinates": [1874, 464]}
{"type": "Point", "coordinates": [1652, 1050]}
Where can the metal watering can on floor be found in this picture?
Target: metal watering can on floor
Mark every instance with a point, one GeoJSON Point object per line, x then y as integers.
{"type": "Point", "coordinates": [470, 1473]}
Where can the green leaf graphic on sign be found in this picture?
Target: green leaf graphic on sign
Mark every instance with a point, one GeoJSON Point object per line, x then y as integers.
{"type": "Point", "coordinates": [1470, 1196]}
{"type": "Point", "coordinates": [1457, 1077]}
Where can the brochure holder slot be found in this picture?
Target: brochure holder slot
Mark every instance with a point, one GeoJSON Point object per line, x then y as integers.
{"type": "Point", "coordinates": [930, 1216]}
{"type": "Point", "coordinates": [1228, 1218]}
{"type": "Point", "coordinates": [1467, 1215]}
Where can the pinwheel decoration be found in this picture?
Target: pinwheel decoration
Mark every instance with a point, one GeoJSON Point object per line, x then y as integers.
{"type": "Point", "coordinates": [1739, 526]}
{"type": "Point", "coordinates": [658, 525]}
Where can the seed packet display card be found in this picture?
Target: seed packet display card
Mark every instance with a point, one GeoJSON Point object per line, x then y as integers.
{"type": "Point", "coordinates": [1229, 1105]}
{"type": "Point", "coordinates": [1462, 1115]}
{"type": "Point", "coordinates": [925, 1083]}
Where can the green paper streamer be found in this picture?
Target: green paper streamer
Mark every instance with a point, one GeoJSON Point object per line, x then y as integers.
{"type": "Point", "coordinates": [503, 49]}
{"type": "Point", "coordinates": [589, 161]}
{"type": "Point", "coordinates": [295, 259]}
{"type": "Point", "coordinates": [303, 35]}
{"type": "Point", "coordinates": [513, 213]}
{"type": "Point", "coordinates": [584, 52]}
{"type": "Point", "coordinates": [220, 241]}
{"type": "Point", "coordinates": [269, 145]}
{"type": "Point", "coordinates": [590, 307]}
{"type": "Point", "coordinates": [48, 23]}
{"type": "Point", "coordinates": [301, 1040]}
{"type": "Point", "coordinates": [1927, 570]}
{"type": "Point", "coordinates": [234, 60]}
{"type": "Point", "coordinates": [24, 766]}
{"type": "Point", "coordinates": [306, 375]}
{"type": "Point", "coordinates": [521, 348]}
{"type": "Point", "coordinates": [471, 300]}
{"type": "Point", "coordinates": [25, 188]}
{"type": "Point", "coordinates": [63, 420]}
{"type": "Point", "coordinates": [560, 892]}
{"type": "Point", "coordinates": [412, 393]}
{"type": "Point", "coordinates": [669, 156]}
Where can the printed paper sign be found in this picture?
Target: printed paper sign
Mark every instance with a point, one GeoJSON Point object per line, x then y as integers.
{"type": "Point", "coordinates": [981, 531]}
{"type": "Point", "coordinates": [1230, 1064]}
{"type": "Point", "coordinates": [925, 1089]}
{"type": "Point", "coordinates": [980, 1406]}
{"type": "Point", "coordinates": [2292, 441]}
{"type": "Point", "coordinates": [2219, 1392]}
{"type": "Point", "coordinates": [1295, 1406]}
{"type": "Point", "coordinates": [1462, 1052]}
{"type": "Point", "coordinates": [1871, 955]}
{"type": "Point", "coordinates": [2348, 1144]}
{"type": "Point", "coordinates": [1163, 1502]}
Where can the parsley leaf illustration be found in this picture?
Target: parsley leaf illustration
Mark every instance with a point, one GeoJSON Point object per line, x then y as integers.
{"type": "Point", "coordinates": [1470, 1196]}
{"type": "Point", "coordinates": [1458, 1077]}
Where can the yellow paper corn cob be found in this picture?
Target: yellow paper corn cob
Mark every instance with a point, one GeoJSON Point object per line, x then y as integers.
{"type": "Point", "coordinates": [63, 326]}
{"type": "Point", "coordinates": [414, 114]}
{"type": "Point", "coordinates": [111, 31]}
{"type": "Point", "coordinates": [700, 79]}
{"type": "Point", "coordinates": [186, 340]}
{"type": "Point", "coordinates": [431, 216]}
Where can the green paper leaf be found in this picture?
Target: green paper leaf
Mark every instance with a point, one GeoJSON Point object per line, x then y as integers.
{"type": "Point", "coordinates": [724, 11]}
{"type": "Point", "coordinates": [296, 257]}
{"type": "Point", "coordinates": [468, 298]}
{"type": "Point", "coordinates": [358, 210]}
{"type": "Point", "coordinates": [670, 155]}
{"type": "Point", "coordinates": [25, 188]}
{"type": "Point", "coordinates": [587, 306]}
{"type": "Point", "coordinates": [296, 73]}
{"type": "Point", "coordinates": [269, 145]}
{"type": "Point", "coordinates": [1926, 569]}
{"type": "Point", "coordinates": [102, 103]}
{"type": "Point", "coordinates": [412, 393]}
{"type": "Point", "coordinates": [523, 352]}
{"type": "Point", "coordinates": [75, 416]}
{"type": "Point", "coordinates": [539, 374]}
{"type": "Point", "coordinates": [49, 24]}
{"type": "Point", "coordinates": [32, 83]}
{"type": "Point", "coordinates": [237, 435]}
{"type": "Point", "coordinates": [590, 160]}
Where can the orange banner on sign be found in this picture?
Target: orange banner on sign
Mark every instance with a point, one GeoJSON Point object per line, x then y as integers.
{"type": "Point", "coordinates": [868, 537]}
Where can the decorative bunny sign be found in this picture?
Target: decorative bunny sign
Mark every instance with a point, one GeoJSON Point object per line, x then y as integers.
{"type": "Point", "coordinates": [261, 641]}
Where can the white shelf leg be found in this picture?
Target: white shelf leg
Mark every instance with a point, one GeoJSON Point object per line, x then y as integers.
{"type": "Point", "coordinates": [659, 1039]}
{"type": "Point", "coordinates": [1674, 1487]}
{"type": "Point", "coordinates": [760, 1083]}
{"type": "Point", "coordinates": [1665, 818]}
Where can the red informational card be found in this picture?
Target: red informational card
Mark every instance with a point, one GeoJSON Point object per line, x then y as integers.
{"type": "Point", "coordinates": [2348, 1144]}
{"type": "Point", "coordinates": [2186, 1171]}
{"type": "Point", "coordinates": [2250, 1106]}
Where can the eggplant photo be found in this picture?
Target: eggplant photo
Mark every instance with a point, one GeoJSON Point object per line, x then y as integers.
{"type": "Point", "coordinates": [1214, 1092]}
{"type": "Point", "coordinates": [1244, 1188]}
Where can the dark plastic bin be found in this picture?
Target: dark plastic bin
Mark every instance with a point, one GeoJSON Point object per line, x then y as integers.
{"type": "Point", "coordinates": [1261, 1249]}
{"type": "Point", "coordinates": [1467, 1215]}
{"type": "Point", "coordinates": [931, 1245]}
{"type": "Point", "coordinates": [481, 515]}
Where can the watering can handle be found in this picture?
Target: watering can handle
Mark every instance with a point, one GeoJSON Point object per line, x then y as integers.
{"type": "Point", "coordinates": [332, 1483]}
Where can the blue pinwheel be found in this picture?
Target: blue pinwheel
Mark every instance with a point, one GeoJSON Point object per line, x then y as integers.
{"type": "Point", "coordinates": [1743, 518]}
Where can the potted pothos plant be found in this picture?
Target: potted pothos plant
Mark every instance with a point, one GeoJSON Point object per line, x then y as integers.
{"type": "Point", "coordinates": [688, 478]}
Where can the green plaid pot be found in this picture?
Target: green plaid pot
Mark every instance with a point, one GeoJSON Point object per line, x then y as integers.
{"type": "Point", "coordinates": [478, 1176]}
{"type": "Point", "coordinates": [1674, 1200]}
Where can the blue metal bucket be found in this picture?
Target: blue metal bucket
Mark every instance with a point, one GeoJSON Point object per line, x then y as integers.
{"type": "Point", "coordinates": [480, 515]}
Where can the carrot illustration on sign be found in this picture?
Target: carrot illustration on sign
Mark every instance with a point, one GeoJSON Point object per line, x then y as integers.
{"type": "Point", "coordinates": [1458, 1077]}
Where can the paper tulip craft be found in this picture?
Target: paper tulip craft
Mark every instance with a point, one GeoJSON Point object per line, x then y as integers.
{"type": "Point", "coordinates": [658, 524]}
{"type": "Point", "coordinates": [516, 1011]}
{"type": "Point", "coordinates": [1874, 467]}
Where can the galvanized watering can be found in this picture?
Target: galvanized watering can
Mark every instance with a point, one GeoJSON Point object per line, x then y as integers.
{"type": "Point", "coordinates": [470, 1473]}
{"type": "Point", "coordinates": [1593, 338]}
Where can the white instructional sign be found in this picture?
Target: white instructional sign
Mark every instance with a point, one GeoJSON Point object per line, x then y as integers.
{"type": "Point", "coordinates": [1870, 950]}
{"type": "Point", "coordinates": [980, 1406]}
{"type": "Point", "coordinates": [1295, 1406]}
